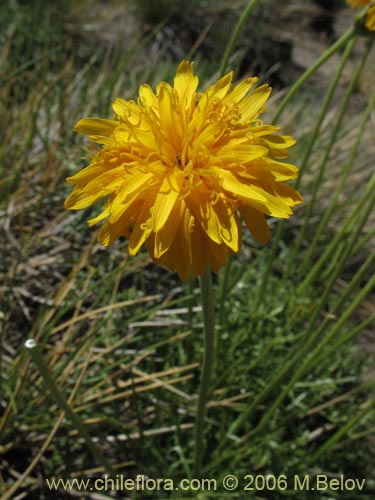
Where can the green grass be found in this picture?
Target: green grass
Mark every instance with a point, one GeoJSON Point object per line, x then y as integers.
{"type": "Point", "coordinates": [292, 390]}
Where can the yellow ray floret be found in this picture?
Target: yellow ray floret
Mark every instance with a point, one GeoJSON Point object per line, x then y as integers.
{"type": "Point", "coordinates": [179, 169]}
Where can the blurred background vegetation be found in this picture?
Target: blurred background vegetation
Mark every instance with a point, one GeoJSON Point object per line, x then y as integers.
{"type": "Point", "coordinates": [122, 338]}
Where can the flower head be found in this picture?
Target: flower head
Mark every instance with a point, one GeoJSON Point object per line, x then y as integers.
{"type": "Point", "coordinates": [179, 168]}
{"type": "Point", "coordinates": [370, 13]}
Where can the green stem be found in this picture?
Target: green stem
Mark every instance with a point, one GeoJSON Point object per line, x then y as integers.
{"type": "Point", "coordinates": [351, 229]}
{"type": "Point", "coordinates": [311, 70]}
{"type": "Point", "coordinates": [58, 398]}
{"type": "Point", "coordinates": [280, 227]}
{"type": "Point", "coordinates": [235, 35]}
{"type": "Point", "coordinates": [348, 167]}
{"type": "Point", "coordinates": [224, 291]}
{"type": "Point", "coordinates": [368, 407]}
{"type": "Point", "coordinates": [190, 302]}
{"type": "Point", "coordinates": [325, 352]}
{"type": "Point", "coordinates": [307, 152]}
{"type": "Point", "coordinates": [208, 357]}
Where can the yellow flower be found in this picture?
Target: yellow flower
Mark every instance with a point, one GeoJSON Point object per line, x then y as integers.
{"type": "Point", "coordinates": [370, 13]}
{"type": "Point", "coordinates": [179, 167]}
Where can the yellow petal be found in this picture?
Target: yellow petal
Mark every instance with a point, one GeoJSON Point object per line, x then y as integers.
{"type": "Point", "coordinates": [255, 196]}
{"type": "Point", "coordinates": [127, 111]}
{"type": "Point", "coordinates": [261, 130]}
{"type": "Point", "coordinates": [289, 195]}
{"type": "Point", "coordinates": [268, 169]}
{"type": "Point", "coordinates": [169, 116]}
{"type": "Point", "coordinates": [107, 182]}
{"type": "Point", "coordinates": [147, 98]}
{"type": "Point", "coordinates": [103, 215]}
{"type": "Point", "coordinates": [141, 140]}
{"type": "Point", "coordinates": [279, 141]}
{"type": "Point", "coordinates": [256, 224]}
{"type": "Point", "coordinates": [253, 104]}
{"type": "Point", "coordinates": [96, 126]}
{"type": "Point", "coordinates": [165, 237]}
{"type": "Point", "coordinates": [240, 90]}
{"type": "Point", "coordinates": [112, 230]}
{"type": "Point", "coordinates": [220, 89]}
{"type": "Point", "coordinates": [104, 235]}
{"type": "Point", "coordinates": [79, 199]}
{"type": "Point", "coordinates": [241, 153]}
{"type": "Point", "coordinates": [87, 174]}
{"type": "Point", "coordinates": [132, 188]}
{"type": "Point", "coordinates": [185, 83]}
{"type": "Point", "coordinates": [209, 136]}
{"type": "Point", "coordinates": [278, 145]}
{"type": "Point", "coordinates": [274, 205]}
{"type": "Point", "coordinates": [199, 119]}
{"type": "Point", "coordinates": [179, 256]}
{"type": "Point", "coordinates": [228, 223]}
{"type": "Point", "coordinates": [142, 229]}
{"type": "Point", "coordinates": [217, 220]}
{"type": "Point", "coordinates": [237, 186]}
{"type": "Point", "coordinates": [163, 205]}
{"type": "Point", "coordinates": [204, 212]}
